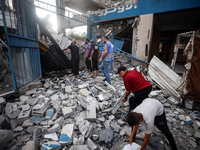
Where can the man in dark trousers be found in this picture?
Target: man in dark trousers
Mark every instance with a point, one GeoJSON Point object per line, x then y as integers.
{"type": "Point", "coordinates": [94, 57]}
{"type": "Point", "coordinates": [150, 112]}
{"type": "Point", "coordinates": [136, 83]}
{"type": "Point", "coordinates": [74, 57]}
{"type": "Point", "coordinates": [88, 52]}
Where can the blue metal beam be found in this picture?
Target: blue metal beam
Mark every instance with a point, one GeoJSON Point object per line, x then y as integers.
{"type": "Point", "coordinates": [144, 7]}
{"type": "Point", "coordinates": [20, 41]}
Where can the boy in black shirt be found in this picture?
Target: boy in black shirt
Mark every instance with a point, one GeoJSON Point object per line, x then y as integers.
{"type": "Point", "coordinates": [94, 57]}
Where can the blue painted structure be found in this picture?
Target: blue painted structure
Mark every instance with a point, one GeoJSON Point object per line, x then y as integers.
{"type": "Point", "coordinates": [23, 44]}
{"type": "Point", "coordinates": [144, 7]}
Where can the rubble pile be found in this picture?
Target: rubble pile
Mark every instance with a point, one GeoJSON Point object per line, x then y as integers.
{"type": "Point", "coordinates": [85, 114]}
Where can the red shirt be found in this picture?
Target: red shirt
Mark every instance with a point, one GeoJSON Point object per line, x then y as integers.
{"type": "Point", "coordinates": [134, 81]}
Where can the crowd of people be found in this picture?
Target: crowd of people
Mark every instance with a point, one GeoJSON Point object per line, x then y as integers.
{"type": "Point", "coordinates": [141, 108]}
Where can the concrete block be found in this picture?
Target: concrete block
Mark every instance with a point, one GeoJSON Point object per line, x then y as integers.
{"type": "Point", "coordinates": [68, 89]}
{"type": "Point", "coordinates": [81, 117]}
{"type": "Point", "coordinates": [55, 97]}
{"type": "Point", "coordinates": [5, 137]}
{"type": "Point", "coordinates": [155, 93]}
{"type": "Point", "coordinates": [50, 113]}
{"type": "Point", "coordinates": [51, 145]}
{"type": "Point", "coordinates": [32, 101]}
{"type": "Point", "coordinates": [23, 98]}
{"type": "Point", "coordinates": [34, 85]}
{"type": "Point", "coordinates": [133, 146]}
{"type": "Point", "coordinates": [18, 129]}
{"type": "Point", "coordinates": [117, 105]}
{"type": "Point", "coordinates": [99, 79]}
{"type": "Point", "coordinates": [31, 92]}
{"type": "Point", "coordinates": [31, 145]}
{"type": "Point", "coordinates": [25, 107]}
{"type": "Point", "coordinates": [66, 134]}
{"type": "Point", "coordinates": [110, 86]}
{"type": "Point", "coordinates": [172, 100]}
{"type": "Point", "coordinates": [23, 116]}
{"type": "Point", "coordinates": [83, 85]}
{"type": "Point", "coordinates": [91, 145]}
{"type": "Point", "coordinates": [80, 140]}
{"type": "Point", "coordinates": [49, 92]}
{"type": "Point", "coordinates": [31, 129]}
{"type": "Point", "coordinates": [54, 128]}
{"type": "Point", "coordinates": [2, 101]}
{"type": "Point", "coordinates": [188, 119]}
{"type": "Point", "coordinates": [160, 97]}
{"type": "Point", "coordinates": [46, 85]}
{"type": "Point", "coordinates": [181, 117]}
{"type": "Point", "coordinates": [106, 136]}
{"type": "Point", "coordinates": [102, 97]}
{"type": "Point", "coordinates": [85, 128]}
{"type": "Point", "coordinates": [67, 111]}
{"type": "Point", "coordinates": [60, 121]}
{"type": "Point", "coordinates": [52, 136]}
{"type": "Point", "coordinates": [27, 123]}
{"type": "Point", "coordinates": [115, 127]}
{"type": "Point", "coordinates": [63, 96]}
{"type": "Point", "coordinates": [79, 147]}
{"type": "Point", "coordinates": [14, 114]}
{"type": "Point", "coordinates": [13, 123]}
{"type": "Point", "coordinates": [91, 111]}
{"type": "Point", "coordinates": [99, 88]}
{"type": "Point", "coordinates": [8, 108]}
{"type": "Point", "coordinates": [37, 119]}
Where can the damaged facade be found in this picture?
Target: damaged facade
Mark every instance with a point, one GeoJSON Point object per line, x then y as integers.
{"type": "Point", "coordinates": [59, 111]}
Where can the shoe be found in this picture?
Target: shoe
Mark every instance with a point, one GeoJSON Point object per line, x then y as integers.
{"type": "Point", "coordinates": [105, 79]}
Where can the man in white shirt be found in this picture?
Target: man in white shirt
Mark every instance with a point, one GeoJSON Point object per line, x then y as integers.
{"type": "Point", "coordinates": [150, 112]}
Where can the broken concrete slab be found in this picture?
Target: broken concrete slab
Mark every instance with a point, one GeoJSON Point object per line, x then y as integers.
{"type": "Point", "coordinates": [23, 116]}
{"type": "Point", "coordinates": [91, 145]}
{"type": "Point", "coordinates": [27, 123]}
{"type": "Point", "coordinates": [66, 134]}
{"type": "Point", "coordinates": [31, 145]}
{"type": "Point", "coordinates": [60, 121]}
{"type": "Point", "coordinates": [37, 119]}
{"type": "Point", "coordinates": [18, 129]}
{"type": "Point", "coordinates": [52, 136]}
{"type": "Point", "coordinates": [54, 128]}
{"type": "Point", "coordinates": [91, 111]}
{"type": "Point", "coordinates": [50, 113]}
{"type": "Point", "coordinates": [51, 145]}
{"type": "Point", "coordinates": [117, 104]}
{"type": "Point", "coordinates": [4, 122]}
{"type": "Point", "coordinates": [133, 146]}
{"type": "Point", "coordinates": [80, 140]}
{"type": "Point", "coordinates": [68, 89]}
{"type": "Point", "coordinates": [85, 128]}
{"type": "Point", "coordinates": [5, 137]}
{"type": "Point", "coordinates": [31, 92]}
{"type": "Point", "coordinates": [106, 136]}
{"type": "Point", "coordinates": [79, 147]}
{"type": "Point", "coordinates": [32, 101]}
{"type": "Point", "coordinates": [25, 107]}
{"type": "Point", "coordinates": [67, 111]}
{"type": "Point", "coordinates": [172, 100]}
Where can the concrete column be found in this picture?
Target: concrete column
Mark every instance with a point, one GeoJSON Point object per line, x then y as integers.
{"type": "Point", "coordinates": [61, 4]}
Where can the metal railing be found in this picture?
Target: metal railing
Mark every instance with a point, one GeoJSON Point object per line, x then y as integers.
{"type": "Point", "coordinates": [62, 12]}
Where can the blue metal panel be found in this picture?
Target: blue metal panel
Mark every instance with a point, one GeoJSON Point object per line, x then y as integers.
{"type": "Point", "coordinates": [23, 44]}
{"type": "Point", "coordinates": [118, 44]}
{"type": "Point", "coordinates": [21, 41]}
{"type": "Point", "coordinates": [144, 7]}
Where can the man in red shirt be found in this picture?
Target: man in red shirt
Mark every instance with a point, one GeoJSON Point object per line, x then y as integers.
{"type": "Point", "coordinates": [136, 83]}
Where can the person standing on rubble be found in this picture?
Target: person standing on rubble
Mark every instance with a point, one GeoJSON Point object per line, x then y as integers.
{"type": "Point", "coordinates": [94, 57]}
{"type": "Point", "coordinates": [150, 112]}
{"type": "Point", "coordinates": [45, 21]}
{"type": "Point", "coordinates": [136, 83]}
{"type": "Point", "coordinates": [107, 58]}
{"type": "Point", "coordinates": [88, 52]}
{"type": "Point", "coordinates": [74, 57]}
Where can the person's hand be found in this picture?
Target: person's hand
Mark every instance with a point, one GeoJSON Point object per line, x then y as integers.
{"type": "Point", "coordinates": [100, 59]}
{"type": "Point", "coordinates": [124, 99]}
{"type": "Point", "coordinates": [90, 58]}
{"type": "Point", "coordinates": [86, 56]}
{"type": "Point", "coordinates": [130, 140]}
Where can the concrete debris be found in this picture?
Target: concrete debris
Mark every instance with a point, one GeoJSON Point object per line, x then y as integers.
{"type": "Point", "coordinates": [85, 114]}
{"type": "Point", "coordinates": [133, 146]}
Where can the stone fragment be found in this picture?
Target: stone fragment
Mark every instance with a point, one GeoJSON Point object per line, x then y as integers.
{"type": "Point", "coordinates": [67, 111]}
{"type": "Point", "coordinates": [46, 85]}
{"type": "Point", "coordinates": [55, 97]}
{"type": "Point", "coordinates": [79, 140]}
{"type": "Point", "coordinates": [83, 85]}
{"type": "Point", "coordinates": [172, 100]}
{"type": "Point", "coordinates": [99, 79]}
{"type": "Point", "coordinates": [66, 134]}
{"type": "Point", "coordinates": [52, 136]}
{"type": "Point", "coordinates": [8, 108]}
{"type": "Point", "coordinates": [32, 101]}
{"type": "Point", "coordinates": [54, 128]}
{"type": "Point", "coordinates": [194, 144]}
{"type": "Point", "coordinates": [127, 130]}
{"type": "Point", "coordinates": [51, 145]}
{"type": "Point", "coordinates": [115, 127]}
{"type": "Point", "coordinates": [85, 92]}
{"type": "Point", "coordinates": [31, 129]}
{"type": "Point", "coordinates": [63, 96]}
{"type": "Point", "coordinates": [91, 145]}
{"type": "Point", "coordinates": [155, 93]}
{"type": "Point", "coordinates": [60, 121]}
{"type": "Point", "coordinates": [5, 137]}
{"type": "Point", "coordinates": [188, 119]}
{"type": "Point", "coordinates": [81, 117]}
{"type": "Point", "coordinates": [31, 92]}
{"type": "Point", "coordinates": [2, 101]}
{"type": "Point", "coordinates": [68, 89]}
{"type": "Point", "coordinates": [25, 107]}
{"type": "Point", "coordinates": [160, 97]}
{"type": "Point", "coordinates": [85, 128]}
{"type": "Point", "coordinates": [50, 113]}
{"type": "Point", "coordinates": [117, 105]}
{"type": "Point", "coordinates": [23, 116]}
{"type": "Point", "coordinates": [27, 123]}
{"type": "Point", "coordinates": [181, 117]}
{"type": "Point", "coordinates": [79, 147]}
{"type": "Point", "coordinates": [110, 86]}
{"type": "Point", "coordinates": [37, 119]}
{"type": "Point", "coordinates": [14, 114]}
{"type": "Point", "coordinates": [18, 129]}
{"type": "Point", "coordinates": [106, 136]}
{"type": "Point", "coordinates": [49, 92]}
{"type": "Point", "coordinates": [91, 111]}
{"type": "Point", "coordinates": [23, 98]}
{"type": "Point", "coordinates": [102, 97]}
{"type": "Point", "coordinates": [31, 145]}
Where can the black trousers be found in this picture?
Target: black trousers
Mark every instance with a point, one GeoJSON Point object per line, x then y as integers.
{"type": "Point", "coordinates": [161, 123]}
{"type": "Point", "coordinates": [88, 64]}
{"type": "Point", "coordinates": [95, 64]}
{"type": "Point", "coordinates": [75, 66]}
{"type": "Point", "coordinates": [138, 97]}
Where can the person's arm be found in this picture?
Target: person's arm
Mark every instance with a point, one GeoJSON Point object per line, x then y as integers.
{"type": "Point", "coordinates": [146, 139]}
{"type": "Point", "coordinates": [65, 49]}
{"type": "Point", "coordinates": [91, 54]}
{"type": "Point", "coordinates": [126, 95]}
{"type": "Point", "coordinates": [104, 54]}
{"type": "Point", "coordinates": [98, 52]}
{"type": "Point", "coordinates": [83, 47]}
{"type": "Point", "coordinates": [130, 139]}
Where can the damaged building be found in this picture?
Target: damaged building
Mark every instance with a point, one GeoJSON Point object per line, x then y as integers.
{"type": "Point", "coordinates": [42, 106]}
